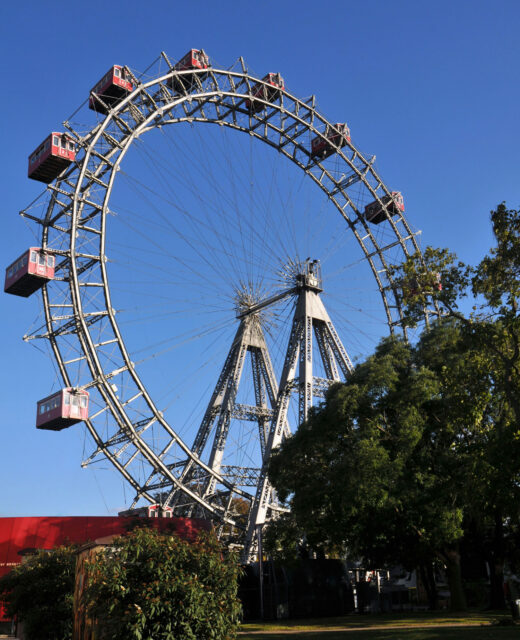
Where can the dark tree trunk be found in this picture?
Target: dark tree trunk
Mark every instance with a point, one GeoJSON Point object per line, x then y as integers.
{"type": "Point", "coordinates": [496, 565]}
{"type": "Point", "coordinates": [428, 579]}
{"type": "Point", "coordinates": [458, 598]}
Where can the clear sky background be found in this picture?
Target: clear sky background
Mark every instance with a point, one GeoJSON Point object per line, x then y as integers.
{"type": "Point", "coordinates": [431, 88]}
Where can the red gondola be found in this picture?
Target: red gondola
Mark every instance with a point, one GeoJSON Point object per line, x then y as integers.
{"type": "Point", "coordinates": [62, 409]}
{"type": "Point", "coordinates": [194, 59]}
{"type": "Point", "coordinates": [29, 272]}
{"type": "Point", "coordinates": [158, 511]}
{"type": "Point", "coordinates": [269, 91]}
{"type": "Point", "coordinates": [54, 154]}
{"type": "Point", "coordinates": [150, 511]}
{"type": "Point", "coordinates": [112, 87]}
{"type": "Point", "coordinates": [335, 138]}
{"type": "Point", "coordinates": [375, 213]}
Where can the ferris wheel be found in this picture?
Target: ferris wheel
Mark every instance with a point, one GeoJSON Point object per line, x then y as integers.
{"type": "Point", "coordinates": [202, 290]}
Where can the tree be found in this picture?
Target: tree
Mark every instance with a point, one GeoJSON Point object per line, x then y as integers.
{"type": "Point", "coordinates": [151, 585]}
{"type": "Point", "coordinates": [422, 443]}
{"type": "Point", "coordinates": [39, 593]}
{"type": "Point", "coordinates": [492, 330]}
{"type": "Point", "coordinates": [374, 471]}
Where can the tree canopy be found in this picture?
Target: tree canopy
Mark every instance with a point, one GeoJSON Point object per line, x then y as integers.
{"type": "Point", "coordinates": [421, 445]}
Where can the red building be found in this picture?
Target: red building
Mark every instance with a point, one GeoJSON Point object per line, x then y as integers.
{"type": "Point", "coordinates": [18, 535]}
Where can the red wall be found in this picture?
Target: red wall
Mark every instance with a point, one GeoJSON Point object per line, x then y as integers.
{"type": "Point", "coordinates": [46, 533]}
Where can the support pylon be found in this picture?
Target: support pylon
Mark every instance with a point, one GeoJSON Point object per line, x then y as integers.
{"type": "Point", "coordinates": [222, 408]}
{"type": "Point", "coordinates": [310, 317]}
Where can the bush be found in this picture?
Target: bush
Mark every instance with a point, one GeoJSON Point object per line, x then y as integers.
{"type": "Point", "coordinates": [151, 586]}
{"type": "Point", "coordinates": [39, 593]}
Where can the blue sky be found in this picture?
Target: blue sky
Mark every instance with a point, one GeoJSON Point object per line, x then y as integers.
{"type": "Point", "coordinates": [431, 88]}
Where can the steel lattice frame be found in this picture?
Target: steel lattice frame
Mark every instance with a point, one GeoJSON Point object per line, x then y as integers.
{"type": "Point", "coordinates": [79, 315]}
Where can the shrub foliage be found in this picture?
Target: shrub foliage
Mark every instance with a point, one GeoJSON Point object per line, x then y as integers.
{"type": "Point", "coordinates": [39, 593]}
{"type": "Point", "coordinates": [150, 585]}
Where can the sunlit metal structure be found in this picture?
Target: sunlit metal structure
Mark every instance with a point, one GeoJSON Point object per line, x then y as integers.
{"type": "Point", "coordinates": [132, 432]}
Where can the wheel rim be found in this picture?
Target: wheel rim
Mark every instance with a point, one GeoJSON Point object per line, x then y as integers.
{"type": "Point", "coordinates": [74, 227]}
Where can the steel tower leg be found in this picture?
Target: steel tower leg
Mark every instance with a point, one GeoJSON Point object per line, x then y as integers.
{"type": "Point", "coordinates": [222, 407]}
{"type": "Point", "coordinates": [310, 317]}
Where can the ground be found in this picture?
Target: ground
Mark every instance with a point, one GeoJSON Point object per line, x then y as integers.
{"type": "Point", "coordinates": [427, 626]}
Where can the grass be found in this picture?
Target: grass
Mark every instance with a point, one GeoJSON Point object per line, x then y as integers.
{"type": "Point", "coordinates": [471, 633]}
{"type": "Point", "coordinates": [417, 626]}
